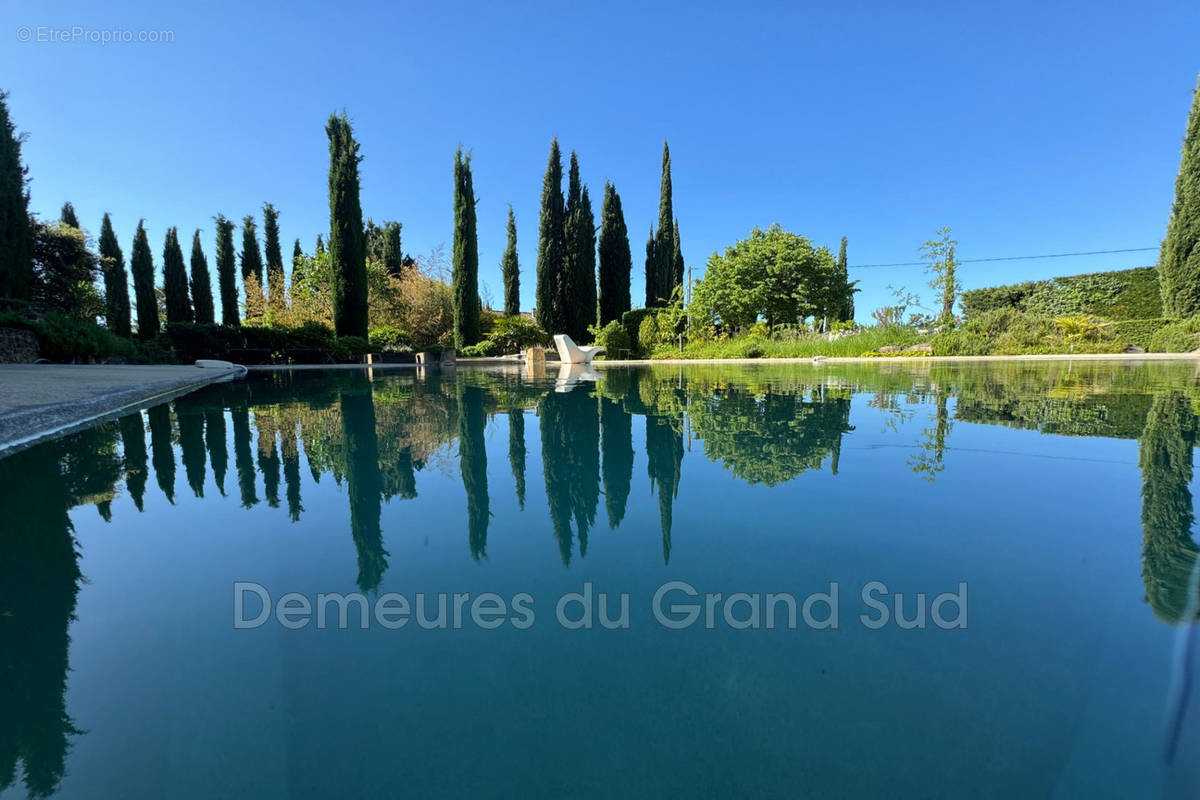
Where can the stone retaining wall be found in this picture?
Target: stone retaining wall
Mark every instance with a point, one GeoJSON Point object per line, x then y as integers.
{"type": "Point", "coordinates": [17, 346]}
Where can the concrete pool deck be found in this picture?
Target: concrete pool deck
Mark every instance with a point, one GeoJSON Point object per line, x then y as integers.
{"type": "Point", "coordinates": [42, 401]}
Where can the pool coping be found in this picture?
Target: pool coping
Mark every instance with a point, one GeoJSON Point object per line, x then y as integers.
{"type": "Point", "coordinates": [47, 421]}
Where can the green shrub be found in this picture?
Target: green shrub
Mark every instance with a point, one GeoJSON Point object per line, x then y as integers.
{"type": "Point", "coordinates": [348, 348]}
{"type": "Point", "coordinates": [1006, 331]}
{"type": "Point", "coordinates": [310, 336]}
{"type": "Point", "coordinates": [389, 339]}
{"type": "Point", "coordinates": [1120, 295]}
{"type": "Point", "coordinates": [614, 339]}
{"type": "Point", "coordinates": [632, 322]}
{"type": "Point", "coordinates": [514, 334]}
{"type": "Point", "coordinates": [1140, 331]}
{"type": "Point", "coordinates": [485, 349]}
{"type": "Point", "coordinates": [1177, 337]}
{"type": "Point", "coordinates": [65, 338]}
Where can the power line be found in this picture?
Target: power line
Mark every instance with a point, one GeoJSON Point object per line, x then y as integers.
{"type": "Point", "coordinates": [1009, 258]}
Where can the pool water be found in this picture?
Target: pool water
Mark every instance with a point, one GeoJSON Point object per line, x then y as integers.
{"type": "Point", "coordinates": [1010, 547]}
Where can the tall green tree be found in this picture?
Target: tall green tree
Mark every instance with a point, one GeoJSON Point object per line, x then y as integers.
{"type": "Point", "coordinates": [64, 271]}
{"type": "Point", "coordinates": [943, 266]}
{"type": "Point", "coordinates": [510, 269]}
{"type": "Point", "coordinates": [551, 247]}
{"type": "Point", "coordinates": [465, 276]}
{"type": "Point", "coordinates": [141, 264]}
{"type": "Point", "coordinates": [1179, 259]}
{"type": "Point", "coordinates": [175, 280]}
{"type": "Point", "coordinates": [276, 299]}
{"type": "Point", "coordinates": [578, 293]}
{"type": "Point", "coordinates": [320, 245]}
{"type": "Point", "coordinates": [116, 281]}
{"type": "Point", "coordinates": [297, 253]}
{"type": "Point", "coordinates": [347, 247]}
{"type": "Point", "coordinates": [227, 271]}
{"type": "Point", "coordinates": [846, 310]}
{"type": "Point", "coordinates": [616, 261]}
{"type": "Point", "coordinates": [662, 258]}
{"type": "Point", "coordinates": [252, 267]}
{"type": "Point", "coordinates": [383, 245]}
{"type": "Point", "coordinates": [68, 216]}
{"type": "Point", "coordinates": [16, 233]}
{"type": "Point", "coordinates": [202, 296]}
{"type": "Point", "coordinates": [677, 265]}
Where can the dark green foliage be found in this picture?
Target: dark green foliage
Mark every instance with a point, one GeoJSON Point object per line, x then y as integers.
{"type": "Point", "coordinates": [162, 453]}
{"type": "Point", "coordinates": [1139, 331]}
{"type": "Point", "coordinates": [465, 277]}
{"type": "Point", "coordinates": [133, 454]}
{"type": "Point", "coordinates": [571, 464]}
{"type": "Point", "coordinates": [846, 311]}
{"type": "Point", "coordinates": [1168, 551]}
{"type": "Point", "coordinates": [191, 447]}
{"type": "Point", "coordinates": [201, 283]}
{"type": "Point", "coordinates": [365, 482]}
{"type": "Point", "coordinates": [64, 271]}
{"type": "Point", "coordinates": [485, 349]}
{"type": "Point", "coordinates": [1121, 294]}
{"type": "Point", "coordinates": [578, 296]}
{"type": "Point", "coordinates": [616, 447]}
{"type": "Point", "coordinates": [551, 261]}
{"type": "Point", "coordinates": [320, 245]}
{"type": "Point", "coordinates": [175, 280]}
{"type": "Point", "coordinates": [631, 321]}
{"type": "Point", "coordinates": [227, 271]}
{"type": "Point", "coordinates": [516, 451]}
{"type": "Point", "coordinates": [389, 339]}
{"type": "Point", "coordinates": [514, 334]}
{"type": "Point", "coordinates": [664, 262]}
{"type": "Point", "coordinates": [116, 281]}
{"type": "Point", "coordinates": [347, 246]}
{"type": "Point", "coordinates": [297, 253]}
{"type": "Point", "coordinates": [243, 457]}
{"type": "Point", "coordinates": [1179, 260]}
{"type": "Point", "coordinates": [141, 264]}
{"type": "Point", "coordinates": [67, 338]}
{"type": "Point", "coordinates": [664, 459]}
{"type": "Point", "coordinates": [276, 301]}
{"type": "Point", "coordinates": [1182, 336]}
{"type": "Point", "coordinates": [383, 245]}
{"type": "Point", "coordinates": [252, 267]}
{"type": "Point", "coordinates": [510, 269]}
{"type": "Point", "coordinates": [615, 340]}
{"type": "Point", "coordinates": [16, 235]}
{"type": "Point", "coordinates": [472, 459]}
{"type": "Point", "coordinates": [214, 442]}
{"type": "Point", "coordinates": [652, 277]}
{"type": "Point", "coordinates": [616, 262]}
{"type": "Point", "coordinates": [68, 216]}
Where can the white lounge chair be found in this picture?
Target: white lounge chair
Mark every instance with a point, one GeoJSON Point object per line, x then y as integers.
{"type": "Point", "coordinates": [571, 353]}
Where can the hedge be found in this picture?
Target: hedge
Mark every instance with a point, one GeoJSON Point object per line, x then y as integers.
{"type": "Point", "coordinates": [1119, 295]}
{"type": "Point", "coordinates": [1139, 331]}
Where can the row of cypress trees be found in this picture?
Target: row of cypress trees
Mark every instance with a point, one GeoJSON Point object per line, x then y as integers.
{"type": "Point", "coordinates": [569, 295]}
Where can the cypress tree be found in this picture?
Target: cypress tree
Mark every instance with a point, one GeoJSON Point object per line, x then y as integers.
{"type": "Point", "coordinates": [141, 263]}
{"type": "Point", "coordinates": [677, 267]}
{"type": "Point", "coordinates": [175, 281]}
{"type": "Point", "coordinates": [510, 269]}
{"type": "Point", "coordinates": [663, 259]}
{"type": "Point", "coordinates": [551, 247]}
{"type": "Point", "coordinates": [68, 216]}
{"type": "Point", "coordinates": [347, 248]}
{"type": "Point", "coordinates": [116, 282]}
{"type": "Point", "coordinates": [466, 256]}
{"type": "Point", "coordinates": [846, 312]}
{"type": "Point", "coordinates": [227, 271]}
{"type": "Point", "coordinates": [1179, 259]}
{"type": "Point", "coordinates": [297, 254]}
{"type": "Point", "coordinates": [653, 287]}
{"type": "Point", "coordinates": [201, 283]}
{"type": "Point", "coordinates": [578, 290]}
{"type": "Point", "coordinates": [16, 233]}
{"type": "Point", "coordinates": [616, 262]}
{"type": "Point", "coordinates": [275, 290]}
{"type": "Point", "coordinates": [252, 263]}
{"type": "Point", "coordinates": [320, 245]}
{"type": "Point", "coordinates": [393, 255]}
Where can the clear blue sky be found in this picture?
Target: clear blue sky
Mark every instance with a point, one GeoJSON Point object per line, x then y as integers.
{"type": "Point", "coordinates": [1029, 127]}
